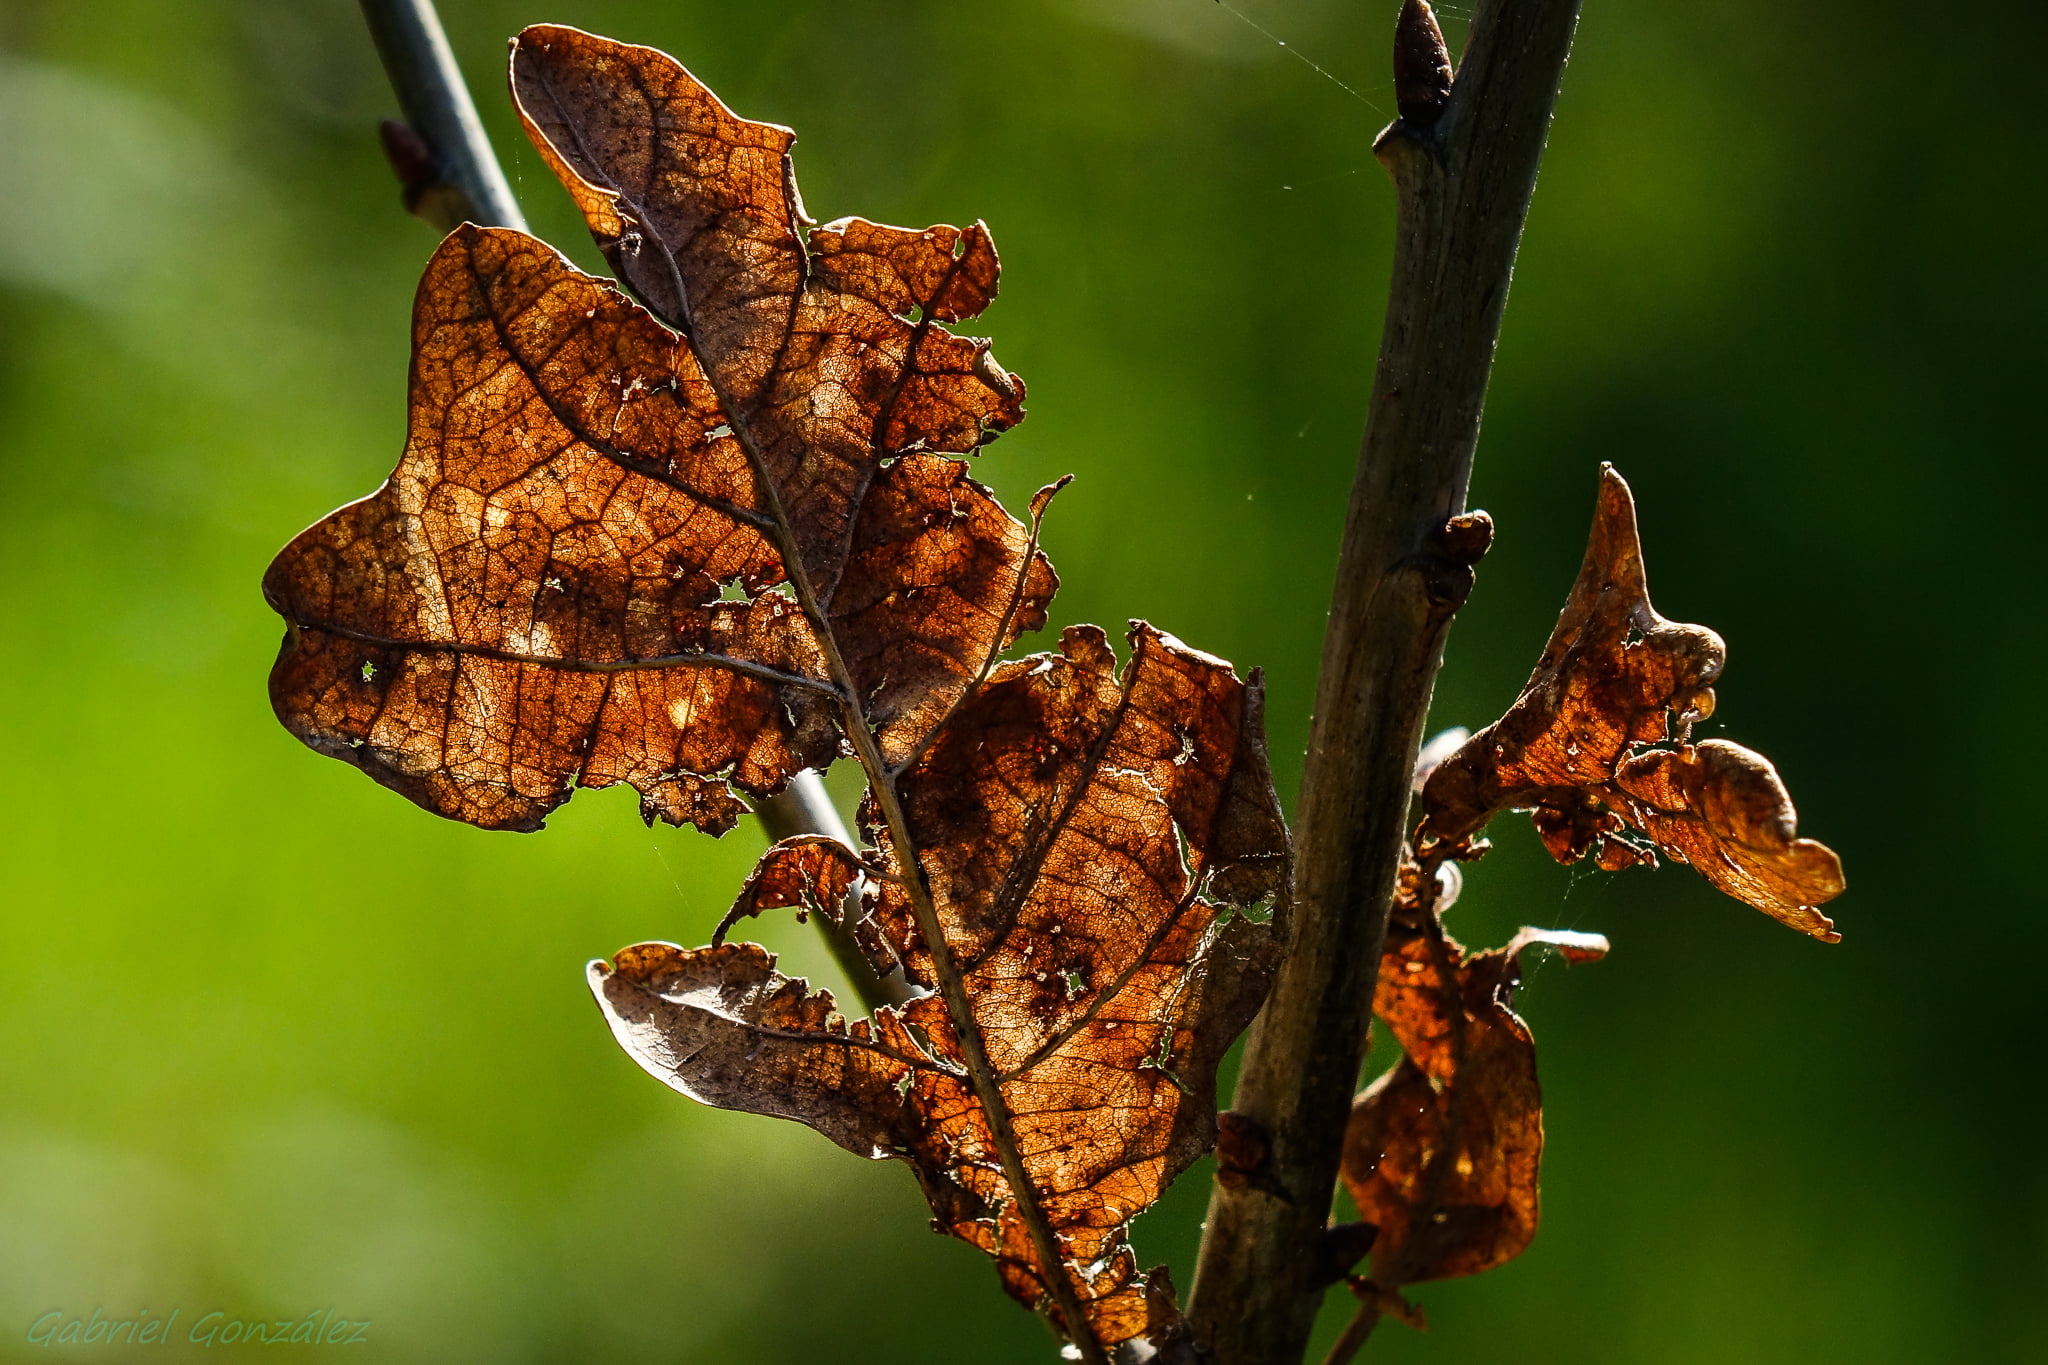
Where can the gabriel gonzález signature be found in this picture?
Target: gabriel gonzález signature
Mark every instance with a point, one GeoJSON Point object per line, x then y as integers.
{"type": "Point", "coordinates": [321, 1327]}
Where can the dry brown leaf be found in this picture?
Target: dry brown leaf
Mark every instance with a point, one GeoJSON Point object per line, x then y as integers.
{"type": "Point", "coordinates": [1073, 827]}
{"type": "Point", "coordinates": [808, 339]}
{"type": "Point", "coordinates": [1575, 748]}
{"type": "Point", "coordinates": [533, 601]}
{"type": "Point", "coordinates": [1442, 1153]}
{"type": "Point", "coordinates": [702, 556]}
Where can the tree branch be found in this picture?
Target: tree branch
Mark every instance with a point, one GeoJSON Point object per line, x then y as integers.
{"type": "Point", "coordinates": [437, 107]}
{"type": "Point", "coordinates": [1463, 162]}
{"type": "Point", "coordinates": [451, 176]}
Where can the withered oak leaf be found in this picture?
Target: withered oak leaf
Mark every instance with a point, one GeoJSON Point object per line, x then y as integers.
{"type": "Point", "coordinates": [1442, 1152]}
{"type": "Point", "coordinates": [1083, 835]}
{"type": "Point", "coordinates": [701, 545]}
{"type": "Point", "coordinates": [809, 337]}
{"type": "Point", "coordinates": [532, 600]}
{"type": "Point", "coordinates": [606, 548]}
{"type": "Point", "coordinates": [1577, 749]}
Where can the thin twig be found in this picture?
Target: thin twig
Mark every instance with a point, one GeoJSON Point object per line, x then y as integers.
{"type": "Point", "coordinates": [461, 181]}
{"type": "Point", "coordinates": [437, 105]}
{"type": "Point", "coordinates": [1464, 166]}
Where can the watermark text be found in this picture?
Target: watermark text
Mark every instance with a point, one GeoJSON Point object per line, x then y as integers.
{"type": "Point", "coordinates": [321, 1327]}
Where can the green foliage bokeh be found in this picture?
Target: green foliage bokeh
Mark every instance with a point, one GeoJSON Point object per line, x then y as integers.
{"type": "Point", "coordinates": [272, 1039]}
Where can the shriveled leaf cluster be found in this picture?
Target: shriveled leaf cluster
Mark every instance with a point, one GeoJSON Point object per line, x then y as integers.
{"type": "Point", "coordinates": [700, 542]}
{"type": "Point", "coordinates": [1442, 1153]}
{"type": "Point", "coordinates": [1576, 749]}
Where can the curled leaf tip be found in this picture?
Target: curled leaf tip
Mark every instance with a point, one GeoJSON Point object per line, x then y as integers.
{"type": "Point", "coordinates": [812, 873]}
{"type": "Point", "coordinates": [1574, 947]}
{"type": "Point", "coordinates": [1042, 499]}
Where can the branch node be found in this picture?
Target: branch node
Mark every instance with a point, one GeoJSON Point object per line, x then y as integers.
{"type": "Point", "coordinates": [424, 186]}
{"type": "Point", "coordinates": [1447, 565]}
{"type": "Point", "coordinates": [1242, 1147]}
{"type": "Point", "coordinates": [1467, 537]}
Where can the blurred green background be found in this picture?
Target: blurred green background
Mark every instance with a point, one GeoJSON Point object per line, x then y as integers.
{"type": "Point", "coordinates": [272, 1039]}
